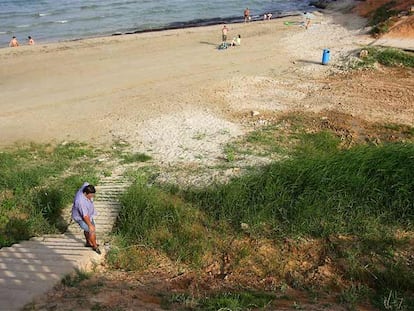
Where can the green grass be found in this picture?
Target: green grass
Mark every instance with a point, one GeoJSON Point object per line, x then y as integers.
{"type": "Point", "coordinates": [241, 300]}
{"type": "Point", "coordinates": [36, 183]}
{"type": "Point", "coordinates": [382, 14]}
{"type": "Point", "coordinates": [225, 301]}
{"type": "Point", "coordinates": [74, 279]}
{"type": "Point", "coordinates": [380, 19]}
{"type": "Point", "coordinates": [153, 217]}
{"type": "Point", "coordinates": [135, 157]}
{"type": "Point", "coordinates": [321, 191]}
{"type": "Point", "coordinates": [388, 57]}
{"type": "Point", "coordinates": [268, 141]}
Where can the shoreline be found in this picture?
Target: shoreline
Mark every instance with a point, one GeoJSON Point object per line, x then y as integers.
{"type": "Point", "coordinates": [196, 23]}
{"type": "Point", "coordinates": [205, 22]}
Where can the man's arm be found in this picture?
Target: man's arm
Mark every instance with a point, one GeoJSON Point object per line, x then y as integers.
{"type": "Point", "coordinates": [89, 223]}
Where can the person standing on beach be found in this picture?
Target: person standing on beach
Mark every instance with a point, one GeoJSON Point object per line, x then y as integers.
{"type": "Point", "coordinates": [83, 212]}
{"type": "Point", "coordinates": [246, 15]}
{"type": "Point", "coordinates": [30, 40]}
{"type": "Point", "coordinates": [224, 32]}
{"type": "Point", "coordinates": [308, 16]}
{"type": "Point", "coordinates": [13, 42]}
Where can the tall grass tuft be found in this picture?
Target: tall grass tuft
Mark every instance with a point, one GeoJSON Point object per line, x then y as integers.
{"type": "Point", "coordinates": [357, 191]}
{"type": "Point", "coordinates": [36, 183]}
{"type": "Point", "coordinates": [241, 300]}
{"type": "Point", "coordinates": [151, 216]}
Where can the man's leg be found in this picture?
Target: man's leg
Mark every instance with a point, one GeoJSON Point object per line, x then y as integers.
{"type": "Point", "coordinates": [90, 238]}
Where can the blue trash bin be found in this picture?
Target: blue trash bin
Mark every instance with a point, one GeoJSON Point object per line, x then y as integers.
{"type": "Point", "coordinates": [326, 56]}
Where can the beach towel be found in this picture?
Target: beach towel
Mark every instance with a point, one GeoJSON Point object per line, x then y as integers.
{"type": "Point", "coordinates": [292, 23]}
{"type": "Point", "coordinates": [223, 46]}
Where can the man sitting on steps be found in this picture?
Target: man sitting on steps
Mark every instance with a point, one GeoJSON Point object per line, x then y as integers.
{"type": "Point", "coordinates": [83, 212]}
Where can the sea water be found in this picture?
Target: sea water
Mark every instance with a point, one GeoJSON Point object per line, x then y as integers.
{"type": "Point", "coordinates": [59, 20]}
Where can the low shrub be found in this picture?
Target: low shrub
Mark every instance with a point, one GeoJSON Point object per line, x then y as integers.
{"type": "Point", "coordinates": [388, 57]}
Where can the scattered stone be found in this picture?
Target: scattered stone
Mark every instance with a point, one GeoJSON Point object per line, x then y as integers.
{"type": "Point", "coordinates": [254, 113]}
{"type": "Point", "coordinates": [363, 53]}
{"type": "Point", "coordinates": [244, 226]}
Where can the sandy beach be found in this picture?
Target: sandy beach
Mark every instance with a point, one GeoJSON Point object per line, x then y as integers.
{"type": "Point", "coordinates": [162, 91]}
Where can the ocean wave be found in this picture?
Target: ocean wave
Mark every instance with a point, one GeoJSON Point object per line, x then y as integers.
{"type": "Point", "coordinates": [43, 14]}
{"type": "Point", "coordinates": [61, 22]}
{"type": "Point", "coordinates": [23, 26]}
{"type": "Point", "coordinates": [87, 7]}
{"type": "Point", "coordinates": [116, 3]}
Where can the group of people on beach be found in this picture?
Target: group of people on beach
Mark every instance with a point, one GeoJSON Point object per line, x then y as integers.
{"type": "Point", "coordinates": [235, 42]}
{"type": "Point", "coordinates": [14, 43]}
{"type": "Point", "coordinates": [248, 18]}
{"type": "Point", "coordinates": [267, 16]}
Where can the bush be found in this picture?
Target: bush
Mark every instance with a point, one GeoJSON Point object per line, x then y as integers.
{"type": "Point", "coordinates": [381, 19]}
{"type": "Point", "coordinates": [387, 57]}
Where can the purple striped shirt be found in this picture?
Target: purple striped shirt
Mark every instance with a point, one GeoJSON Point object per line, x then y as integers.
{"type": "Point", "coordinates": [82, 206]}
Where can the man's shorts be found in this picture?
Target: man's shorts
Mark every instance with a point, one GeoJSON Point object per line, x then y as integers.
{"type": "Point", "coordinates": [84, 225]}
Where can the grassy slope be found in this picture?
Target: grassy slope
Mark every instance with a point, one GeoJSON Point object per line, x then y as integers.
{"type": "Point", "coordinates": [382, 14]}
{"type": "Point", "coordinates": [350, 205]}
{"type": "Point", "coordinates": [36, 183]}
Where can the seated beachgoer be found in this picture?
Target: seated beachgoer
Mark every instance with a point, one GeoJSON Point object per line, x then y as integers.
{"type": "Point", "coordinates": [236, 41]}
{"type": "Point", "coordinates": [269, 16]}
{"type": "Point", "coordinates": [14, 43]}
{"type": "Point", "coordinates": [30, 40]}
